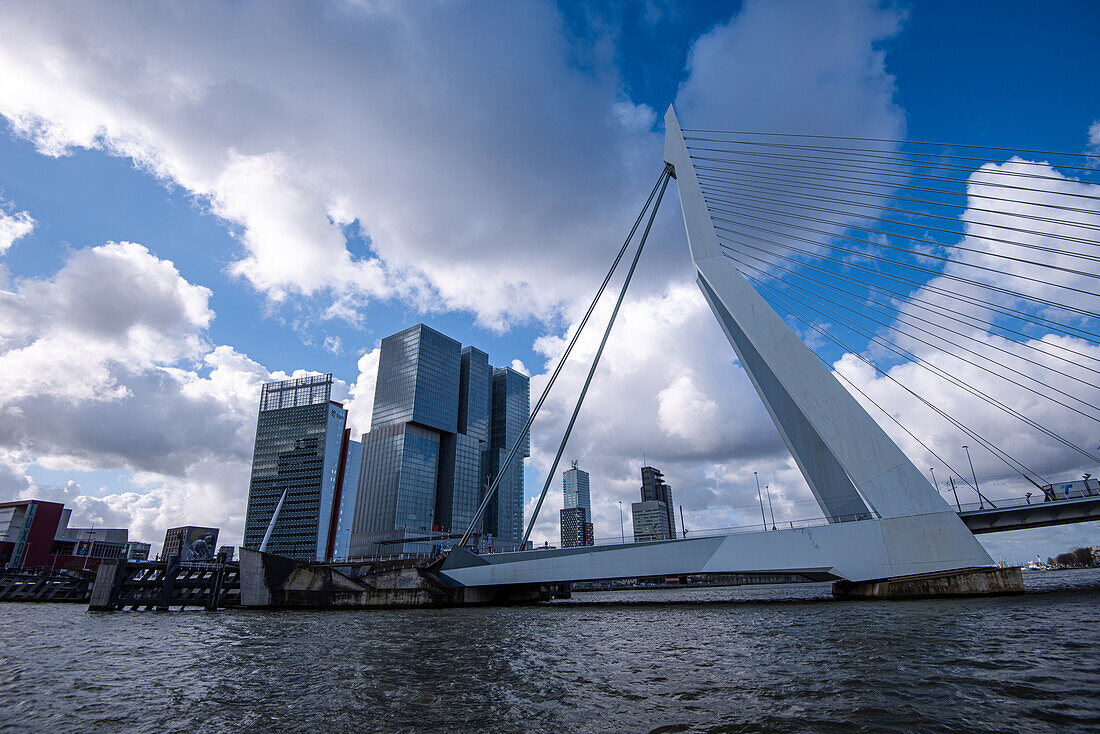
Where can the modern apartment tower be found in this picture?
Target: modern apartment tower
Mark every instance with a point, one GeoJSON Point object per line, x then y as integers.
{"type": "Point", "coordinates": [443, 421]}
{"type": "Point", "coordinates": [576, 515]}
{"type": "Point", "coordinates": [301, 450]}
{"type": "Point", "coordinates": [653, 517]}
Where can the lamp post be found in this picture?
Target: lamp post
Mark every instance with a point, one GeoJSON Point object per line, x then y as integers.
{"type": "Point", "coordinates": [981, 500]}
{"type": "Point", "coordinates": [622, 532]}
{"type": "Point", "coordinates": [760, 497]}
{"type": "Point", "coordinates": [91, 540]}
{"type": "Point", "coordinates": [771, 510]}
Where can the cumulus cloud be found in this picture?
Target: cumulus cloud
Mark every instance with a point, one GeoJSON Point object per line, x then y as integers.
{"type": "Point", "coordinates": [14, 226]}
{"type": "Point", "coordinates": [294, 124]}
{"type": "Point", "coordinates": [107, 367]}
{"type": "Point", "coordinates": [361, 394]}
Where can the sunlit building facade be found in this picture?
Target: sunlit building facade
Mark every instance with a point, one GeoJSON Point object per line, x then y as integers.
{"type": "Point", "coordinates": [442, 419]}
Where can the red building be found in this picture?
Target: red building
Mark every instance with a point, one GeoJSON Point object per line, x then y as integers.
{"type": "Point", "coordinates": [27, 532]}
{"type": "Point", "coordinates": [35, 534]}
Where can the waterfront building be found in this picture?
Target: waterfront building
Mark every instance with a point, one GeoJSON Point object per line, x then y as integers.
{"type": "Point", "coordinates": [442, 421]}
{"type": "Point", "coordinates": [511, 405]}
{"type": "Point", "coordinates": [576, 529]}
{"type": "Point", "coordinates": [36, 534]}
{"type": "Point", "coordinates": [27, 529]}
{"type": "Point", "coordinates": [344, 506]}
{"type": "Point", "coordinates": [84, 548]}
{"type": "Point", "coordinates": [190, 543]}
{"type": "Point", "coordinates": [576, 515]}
{"type": "Point", "coordinates": [653, 517]}
{"type": "Point", "coordinates": [137, 551]}
{"type": "Point", "coordinates": [301, 452]}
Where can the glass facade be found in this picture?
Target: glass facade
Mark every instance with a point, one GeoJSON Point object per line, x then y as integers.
{"type": "Point", "coordinates": [475, 380]}
{"type": "Point", "coordinates": [435, 438]}
{"type": "Point", "coordinates": [650, 521]}
{"type": "Point", "coordinates": [511, 405]}
{"type": "Point", "coordinates": [459, 491]}
{"type": "Point", "coordinates": [348, 494]}
{"type": "Point", "coordinates": [575, 489]}
{"type": "Point", "coordinates": [418, 376]}
{"type": "Point", "coordinates": [298, 437]}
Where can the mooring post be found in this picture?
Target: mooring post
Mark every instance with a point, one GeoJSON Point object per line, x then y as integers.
{"type": "Point", "coordinates": [171, 568]}
{"type": "Point", "coordinates": [213, 599]}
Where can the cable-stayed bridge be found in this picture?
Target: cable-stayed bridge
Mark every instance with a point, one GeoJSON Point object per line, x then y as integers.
{"type": "Point", "coordinates": [970, 266]}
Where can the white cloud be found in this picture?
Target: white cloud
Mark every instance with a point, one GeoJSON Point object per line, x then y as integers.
{"type": "Point", "coordinates": [1094, 136]}
{"type": "Point", "coordinates": [107, 367]}
{"type": "Point", "coordinates": [483, 165]}
{"type": "Point", "coordinates": [361, 394]}
{"type": "Point", "coordinates": [14, 226]}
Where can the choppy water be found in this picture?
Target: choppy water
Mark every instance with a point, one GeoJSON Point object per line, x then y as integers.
{"type": "Point", "coordinates": [775, 658]}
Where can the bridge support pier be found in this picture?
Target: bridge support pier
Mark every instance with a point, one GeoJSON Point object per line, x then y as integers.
{"type": "Point", "coordinates": [966, 582]}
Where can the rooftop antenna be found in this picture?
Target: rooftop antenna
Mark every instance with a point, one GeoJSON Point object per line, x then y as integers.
{"type": "Point", "coordinates": [575, 463]}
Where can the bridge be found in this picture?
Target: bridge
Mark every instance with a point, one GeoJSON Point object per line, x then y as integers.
{"type": "Point", "coordinates": [828, 234]}
{"type": "Point", "coordinates": [886, 529]}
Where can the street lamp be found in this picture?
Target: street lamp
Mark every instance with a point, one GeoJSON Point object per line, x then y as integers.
{"type": "Point", "coordinates": [621, 531]}
{"type": "Point", "coordinates": [771, 511]}
{"type": "Point", "coordinates": [981, 500]}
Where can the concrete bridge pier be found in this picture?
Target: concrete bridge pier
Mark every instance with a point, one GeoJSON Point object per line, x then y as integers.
{"type": "Point", "coordinates": [965, 582]}
{"type": "Point", "coordinates": [271, 581]}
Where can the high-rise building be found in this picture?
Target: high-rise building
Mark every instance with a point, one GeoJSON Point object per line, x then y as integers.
{"type": "Point", "coordinates": [344, 507]}
{"type": "Point", "coordinates": [575, 489]}
{"type": "Point", "coordinates": [301, 446]}
{"type": "Point", "coordinates": [576, 515]}
{"type": "Point", "coordinates": [511, 405]}
{"type": "Point", "coordinates": [576, 530]}
{"type": "Point", "coordinates": [653, 517]}
{"type": "Point", "coordinates": [442, 417]}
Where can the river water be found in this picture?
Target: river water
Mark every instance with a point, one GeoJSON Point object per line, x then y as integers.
{"type": "Point", "coordinates": [756, 659]}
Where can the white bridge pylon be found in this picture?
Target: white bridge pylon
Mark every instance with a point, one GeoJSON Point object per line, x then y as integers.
{"type": "Point", "coordinates": [885, 519]}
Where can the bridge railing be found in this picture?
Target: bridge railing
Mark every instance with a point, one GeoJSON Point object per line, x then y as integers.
{"type": "Point", "coordinates": [758, 527]}
{"type": "Point", "coordinates": [1035, 498]}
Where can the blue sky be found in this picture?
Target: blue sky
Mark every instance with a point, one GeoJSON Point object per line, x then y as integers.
{"type": "Point", "coordinates": [478, 185]}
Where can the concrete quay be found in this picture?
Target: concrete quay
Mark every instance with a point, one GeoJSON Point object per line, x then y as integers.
{"type": "Point", "coordinates": [273, 582]}
{"type": "Point", "coordinates": [967, 582]}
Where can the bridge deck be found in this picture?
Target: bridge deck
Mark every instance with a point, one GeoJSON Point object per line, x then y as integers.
{"type": "Point", "coordinates": [1022, 515]}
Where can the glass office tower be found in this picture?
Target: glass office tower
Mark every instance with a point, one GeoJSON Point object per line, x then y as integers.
{"type": "Point", "coordinates": [511, 404]}
{"type": "Point", "coordinates": [299, 437]}
{"type": "Point", "coordinates": [434, 429]}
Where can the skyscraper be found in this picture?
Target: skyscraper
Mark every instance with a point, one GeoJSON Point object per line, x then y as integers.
{"type": "Point", "coordinates": [441, 415]}
{"type": "Point", "coordinates": [576, 515]}
{"type": "Point", "coordinates": [653, 517]}
{"type": "Point", "coordinates": [575, 489]}
{"type": "Point", "coordinates": [344, 508]}
{"type": "Point", "coordinates": [300, 444]}
{"type": "Point", "coordinates": [511, 404]}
